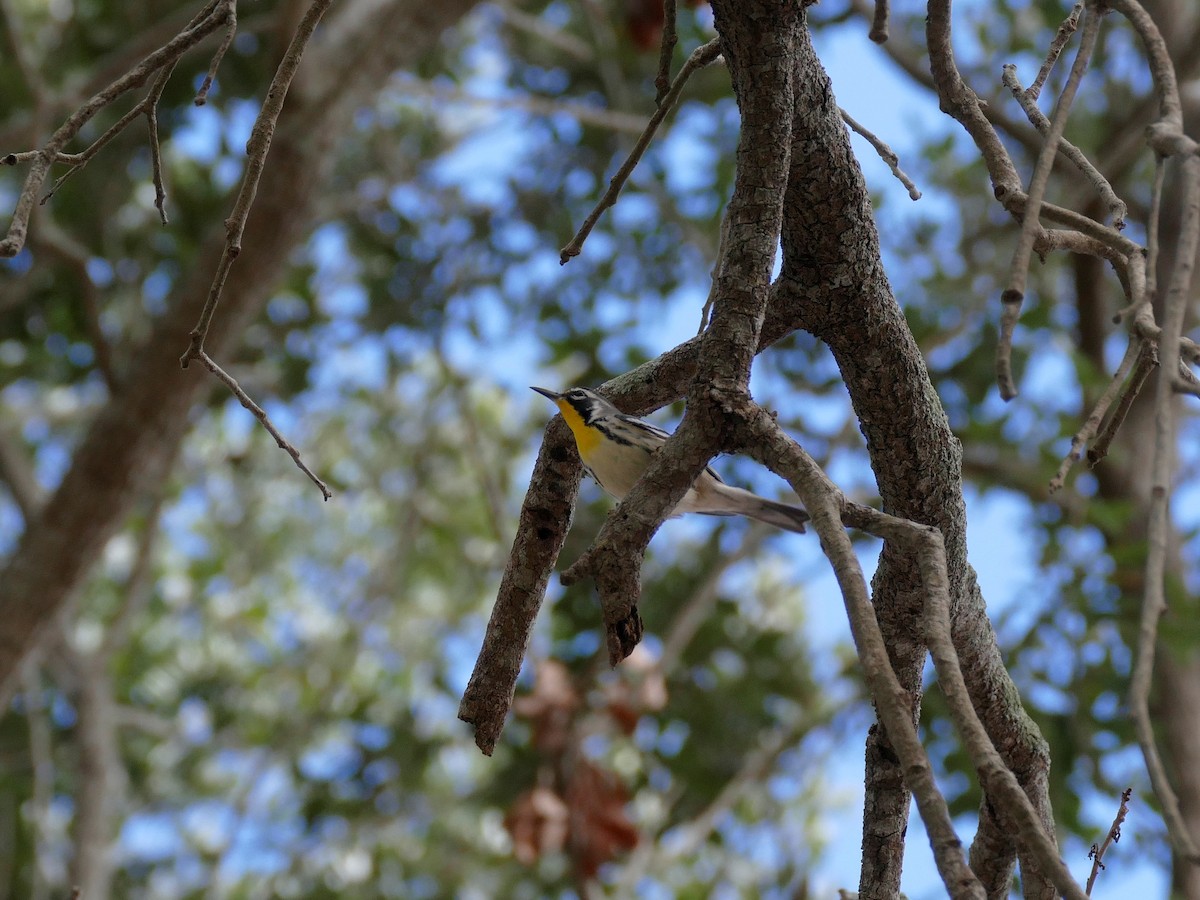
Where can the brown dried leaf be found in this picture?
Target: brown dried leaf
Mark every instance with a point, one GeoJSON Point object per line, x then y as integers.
{"type": "Point", "coordinates": [600, 829]}
{"type": "Point", "coordinates": [537, 822]}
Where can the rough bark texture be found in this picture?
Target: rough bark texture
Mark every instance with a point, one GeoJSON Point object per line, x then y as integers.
{"type": "Point", "coordinates": [834, 277]}
{"type": "Point", "coordinates": [124, 450]}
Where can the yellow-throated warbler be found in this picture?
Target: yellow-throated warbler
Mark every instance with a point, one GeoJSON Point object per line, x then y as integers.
{"type": "Point", "coordinates": [616, 449]}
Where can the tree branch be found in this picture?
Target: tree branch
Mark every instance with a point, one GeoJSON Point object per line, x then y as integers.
{"type": "Point", "coordinates": [1154, 602]}
{"type": "Point", "coordinates": [205, 23]}
{"type": "Point", "coordinates": [1014, 294]}
{"type": "Point", "coordinates": [701, 57]}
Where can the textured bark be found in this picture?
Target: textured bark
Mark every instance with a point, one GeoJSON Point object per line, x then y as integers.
{"type": "Point", "coordinates": [833, 278]}
{"type": "Point", "coordinates": [124, 451]}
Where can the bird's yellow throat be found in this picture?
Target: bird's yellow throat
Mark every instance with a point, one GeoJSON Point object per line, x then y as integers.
{"type": "Point", "coordinates": [586, 439]}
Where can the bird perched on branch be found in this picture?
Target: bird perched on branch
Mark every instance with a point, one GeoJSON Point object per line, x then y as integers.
{"type": "Point", "coordinates": [616, 449]}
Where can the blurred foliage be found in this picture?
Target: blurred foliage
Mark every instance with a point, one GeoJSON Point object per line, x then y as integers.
{"type": "Point", "coordinates": [287, 689]}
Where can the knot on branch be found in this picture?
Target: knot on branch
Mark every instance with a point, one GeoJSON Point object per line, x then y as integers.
{"type": "Point", "coordinates": [1167, 139]}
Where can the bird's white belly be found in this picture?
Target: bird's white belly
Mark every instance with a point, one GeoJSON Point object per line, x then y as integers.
{"type": "Point", "coordinates": [620, 467]}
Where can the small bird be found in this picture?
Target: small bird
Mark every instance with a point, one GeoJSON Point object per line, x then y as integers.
{"type": "Point", "coordinates": [616, 449]}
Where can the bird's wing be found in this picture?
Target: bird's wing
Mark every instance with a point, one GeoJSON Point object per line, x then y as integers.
{"type": "Point", "coordinates": [662, 438]}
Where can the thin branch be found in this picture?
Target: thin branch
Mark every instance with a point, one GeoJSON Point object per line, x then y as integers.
{"type": "Point", "coordinates": [760, 436]}
{"type": "Point", "coordinates": [256, 155]}
{"type": "Point", "coordinates": [735, 333]}
{"type": "Point", "coordinates": [1154, 602]}
{"type": "Point", "coordinates": [886, 153]}
{"type": "Point", "coordinates": [1096, 854]}
{"type": "Point", "coordinates": [209, 20]}
{"type": "Point", "coordinates": [727, 347]}
{"type": "Point", "coordinates": [670, 37]}
{"type": "Point", "coordinates": [1014, 294]}
{"type": "Point", "coordinates": [215, 63]}
{"type": "Point", "coordinates": [1065, 30]}
{"type": "Point", "coordinates": [1147, 361]}
{"type": "Point", "coordinates": [1028, 101]}
{"type": "Point", "coordinates": [148, 107]}
{"type": "Point", "coordinates": [701, 57]}
{"type": "Point", "coordinates": [963, 104]}
{"type": "Point", "coordinates": [262, 417]}
{"type": "Point", "coordinates": [997, 780]}
{"type": "Point", "coordinates": [1092, 424]}
{"type": "Point", "coordinates": [156, 167]}
{"type": "Point", "coordinates": [1153, 227]}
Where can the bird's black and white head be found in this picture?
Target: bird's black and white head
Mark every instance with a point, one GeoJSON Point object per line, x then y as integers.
{"type": "Point", "coordinates": [587, 405]}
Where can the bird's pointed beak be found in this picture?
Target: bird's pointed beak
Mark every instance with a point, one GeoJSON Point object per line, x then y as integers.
{"type": "Point", "coordinates": [552, 395]}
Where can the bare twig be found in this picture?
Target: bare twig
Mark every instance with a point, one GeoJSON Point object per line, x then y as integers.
{"type": "Point", "coordinates": [261, 415]}
{"type": "Point", "coordinates": [1096, 854]}
{"type": "Point", "coordinates": [963, 104]}
{"type": "Point", "coordinates": [215, 63]}
{"type": "Point", "coordinates": [1116, 206]}
{"type": "Point", "coordinates": [1092, 424]}
{"type": "Point", "coordinates": [1147, 360]}
{"type": "Point", "coordinates": [1153, 226]}
{"type": "Point", "coordinates": [1154, 602]}
{"type": "Point", "coordinates": [701, 57]}
{"type": "Point", "coordinates": [256, 155]}
{"type": "Point", "coordinates": [78, 160]}
{"type": "Point", "coordinates": [156, 167]}
{"type": "Point", "coordinates": [1065, 30]}
{"type": "Point", "coordinates": [886, 153]}
{"type": "Point", "coordinates": [1014, 294]}
{"type": "Point", "coordinates": [1110, 237]}
{"type": "Point", "coordinates": [670, 37]}
{"type": "Point", "coordinates": [205, 23]}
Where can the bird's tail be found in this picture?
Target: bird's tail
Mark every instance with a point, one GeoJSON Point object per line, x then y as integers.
{"type": "Point", "coordinates": [735, 501]}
